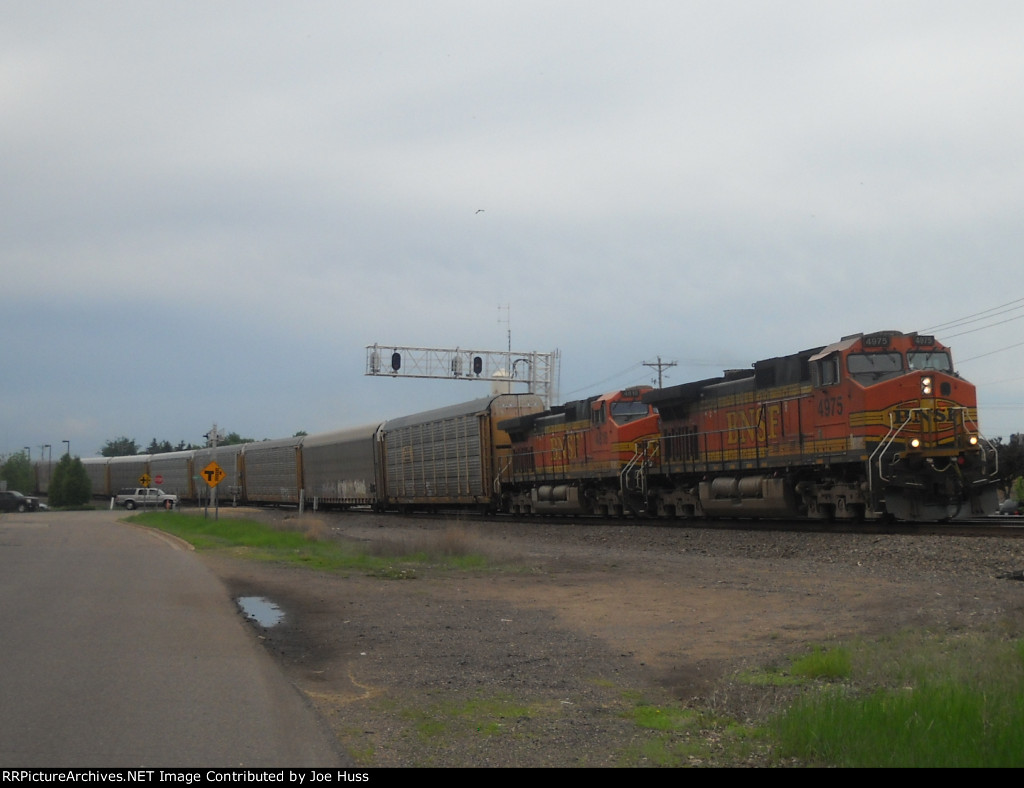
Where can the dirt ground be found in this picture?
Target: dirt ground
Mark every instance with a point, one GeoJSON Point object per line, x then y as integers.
{"type": "Point", "coordinates": [540, 659]}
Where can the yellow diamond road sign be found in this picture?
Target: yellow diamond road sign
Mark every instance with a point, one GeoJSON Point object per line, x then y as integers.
{"type": "Point", "coordinates": [144, 480]}
{"type": "Point", "coordinates": [213, 474]}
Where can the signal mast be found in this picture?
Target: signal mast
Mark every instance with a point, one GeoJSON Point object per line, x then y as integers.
{"type": "Point", "coordinates": [538, 371]}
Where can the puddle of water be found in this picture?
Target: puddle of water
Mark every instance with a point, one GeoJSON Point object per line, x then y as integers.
{"type": "Point", "coordinates": [261, 610]}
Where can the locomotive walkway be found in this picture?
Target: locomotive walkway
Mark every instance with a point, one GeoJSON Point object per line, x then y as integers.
{"type": "Point", "coordinates": [120, 649]}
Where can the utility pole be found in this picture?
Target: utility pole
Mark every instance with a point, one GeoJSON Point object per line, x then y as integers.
{"type": "Point", "coordinates": [660, 366]}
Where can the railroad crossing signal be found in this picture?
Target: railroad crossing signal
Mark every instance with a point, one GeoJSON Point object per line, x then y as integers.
{"type": "Point", "coordinates": [144, 480]}
{"type": "Point", "coordinates": [213, 474]}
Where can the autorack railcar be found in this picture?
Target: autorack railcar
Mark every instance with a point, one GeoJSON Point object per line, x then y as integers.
{"type": "Point", "coordinates": [173, 472]}
{"type": "Point", "coordinates": [451, 456]}
{"type": "Point", "coordinates": [343, 469]}
{"type": "Point", "coordinates": [272, 471]}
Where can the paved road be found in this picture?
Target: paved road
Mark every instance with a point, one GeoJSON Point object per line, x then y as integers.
{"type": "Point", "coordinates": [118, 648]}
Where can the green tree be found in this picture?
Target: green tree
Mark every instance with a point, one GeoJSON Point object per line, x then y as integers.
{"type": "Point", "coordinates": [70, 485]}
{"type": "Point", "coordinates": [17, 472]}
{"type": "Point", "coordinates": [120, 447]}
{"type": "Point", "coordinates": [78, 487]}
{"type": "Point", "coordinates": [1011, 459]}
{"type": "Point", "coordinates": [158, 447]}
{"type": "Point", "coordinates": [233, 439]}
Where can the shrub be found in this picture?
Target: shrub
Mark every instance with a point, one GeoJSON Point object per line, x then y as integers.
{"type": "Point", "coordinates": [70, 485]}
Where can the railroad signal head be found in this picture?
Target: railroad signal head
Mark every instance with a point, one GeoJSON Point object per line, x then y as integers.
{"type": "Point", "coordinates": [396, 361]}
{"type": "Point", "coordinates": [478, 365]}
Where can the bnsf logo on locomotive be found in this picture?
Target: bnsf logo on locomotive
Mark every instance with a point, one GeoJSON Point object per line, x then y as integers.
{"type": "Point", "coordinates": [756, 424]}
{"type": "Point", "coordinates": [946, 415]}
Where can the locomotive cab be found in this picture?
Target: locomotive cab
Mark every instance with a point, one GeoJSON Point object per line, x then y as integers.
{"type": "Point", "coordinates": [583, 457]}
{"type": "Point", "coordinates": [915, 419]}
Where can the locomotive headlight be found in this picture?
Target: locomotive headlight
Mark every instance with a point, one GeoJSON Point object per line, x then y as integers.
{"type": "Point", "coordinates": [915, 443]}
{"type": "Point", "coordinates": [973, 440]}
{"type": "Point", "coordinates": [926, 386]}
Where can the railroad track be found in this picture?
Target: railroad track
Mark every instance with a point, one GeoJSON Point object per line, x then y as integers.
{"type": "Point", "coordinates": [1001, 527]}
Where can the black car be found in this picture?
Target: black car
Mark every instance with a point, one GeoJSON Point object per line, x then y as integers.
{"type": "Point", "coordinates": [12, 501]}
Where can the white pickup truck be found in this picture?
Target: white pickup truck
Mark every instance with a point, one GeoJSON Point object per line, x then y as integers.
{"type": "Point", "coordinates": [147, 497]}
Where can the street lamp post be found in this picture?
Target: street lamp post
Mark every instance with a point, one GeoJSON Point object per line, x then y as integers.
{"type": "Point", "coordinates": [67, 451]}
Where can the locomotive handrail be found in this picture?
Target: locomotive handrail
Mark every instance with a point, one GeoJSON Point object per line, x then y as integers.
{"type": "Point", "coordinates": [991, 446]}
{"type": "Point", "coordinates": [886, 442]}
{"type": "Point", "coordinates": [497, 478]}
{"type": "Point", "coordinates": [640, 460]}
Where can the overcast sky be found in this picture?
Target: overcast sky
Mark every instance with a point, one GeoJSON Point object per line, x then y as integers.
{"type": "Point", "coordinates": [209, 209]}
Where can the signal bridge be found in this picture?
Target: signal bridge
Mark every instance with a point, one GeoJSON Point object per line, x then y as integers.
{"type": "Point", "coordinates": [538, 371]}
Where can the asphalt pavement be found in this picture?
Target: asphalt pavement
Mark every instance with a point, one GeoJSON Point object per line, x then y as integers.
{"type": "Point", "coordinates": [118, 648]}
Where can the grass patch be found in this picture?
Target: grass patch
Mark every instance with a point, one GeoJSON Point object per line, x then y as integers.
{"type": "Point", "coordinates": [480, 716]}
{"type": "Point", "coordinates": [831, 665]}
{"type": "Point", "coordinates": [308, 543]}
{"type": "Point", "coordinates": [674, 736]}
{"type": "Point", "coordinates": [915, 701]}
{"type": "Point", "coordinates": [665, 718]}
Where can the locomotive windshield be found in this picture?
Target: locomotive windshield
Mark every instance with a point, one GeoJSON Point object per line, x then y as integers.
{"type": "Point", "coordinates": [930, 359]}
{"type": "Point", "coordinates": [625, 412]}
{"type": "Point", "coordinates": [868, 368]}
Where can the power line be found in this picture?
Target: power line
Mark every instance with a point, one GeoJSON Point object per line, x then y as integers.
{"type": "Point", "coordinates": [990, 353]}
{"type": "Point", "coordinates": [590, 387]}
{"type": "Point", "coordinates": [980, 328]}
{"type": "Point", "coordinates": [983, 315]}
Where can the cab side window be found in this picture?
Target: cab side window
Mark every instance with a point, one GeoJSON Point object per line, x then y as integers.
{"type": "Point", "coordinates": [826, 371]}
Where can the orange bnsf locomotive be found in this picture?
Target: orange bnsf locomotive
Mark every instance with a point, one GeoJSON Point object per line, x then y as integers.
{"type": "Point", "coordinates": [873, 426]}
{"type": "Point", "coordinates": [581, 457]}
{"type": "Point", "coordinates": [876, 425]}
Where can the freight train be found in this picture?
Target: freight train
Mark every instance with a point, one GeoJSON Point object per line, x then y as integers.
{"type": "Point", "coordinates": [873, 426]}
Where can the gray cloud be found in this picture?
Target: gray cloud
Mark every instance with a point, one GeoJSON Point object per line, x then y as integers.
{"type": "Point", "coordinates": [210, 209]}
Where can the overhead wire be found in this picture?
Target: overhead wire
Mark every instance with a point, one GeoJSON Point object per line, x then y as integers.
{"type": "Point", "coordinates": [984, 315]}
{"type": "Point", "coordinates": [590, 387]}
